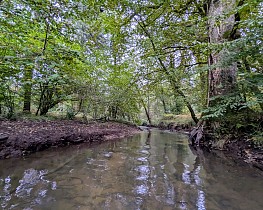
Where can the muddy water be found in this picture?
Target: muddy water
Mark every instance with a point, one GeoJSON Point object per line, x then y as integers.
{"type": "Point", "coordinates": [154, 170]}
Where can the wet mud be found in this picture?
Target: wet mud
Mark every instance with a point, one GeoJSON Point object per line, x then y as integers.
{"type": "Point", "coordinates": [20, 138]}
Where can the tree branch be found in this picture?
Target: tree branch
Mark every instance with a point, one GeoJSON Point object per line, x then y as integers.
{"type": "Point", "coordinates": [175, 86]}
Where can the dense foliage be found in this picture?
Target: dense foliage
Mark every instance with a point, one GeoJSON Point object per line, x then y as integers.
{"type": "Point", "coordinates": [120, 59]}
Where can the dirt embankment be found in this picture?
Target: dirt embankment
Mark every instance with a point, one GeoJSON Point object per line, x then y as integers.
{"type": "Point", "coordinates": [18, 138]}
{"type": "Point", "coordinates": [237, 148]}
{"type": "Point", "coordinates": [247, 151]}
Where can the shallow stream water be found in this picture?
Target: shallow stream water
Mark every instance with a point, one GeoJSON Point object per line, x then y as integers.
{"type": "Point", "coordinates": [155, 170]}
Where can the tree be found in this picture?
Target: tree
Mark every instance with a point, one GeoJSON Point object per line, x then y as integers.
{"type": "Point", "coordinates": [227, 105]}
{"type": "Point", "coordinates": [222, 80]}
{"type": "Point", "coordinates": [148, 28]}
{"type": "Point", "coordinates": [111, 57]}
{"type": "Point", "coordinates": [28, 76]}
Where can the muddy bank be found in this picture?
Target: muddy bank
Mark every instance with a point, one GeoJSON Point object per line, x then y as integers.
{"type": "Point", "coordinates": [241, 149]}
{"type": "Point", "coordinates": [247, 151]}
{"type": "Point", "coordinates": [19, 138]}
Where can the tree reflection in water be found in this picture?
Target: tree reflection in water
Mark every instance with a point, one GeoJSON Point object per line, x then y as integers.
{"type": "Point", "coordinates": [160, 164]}
{"type": "Point", "coordinates": [152, 170]}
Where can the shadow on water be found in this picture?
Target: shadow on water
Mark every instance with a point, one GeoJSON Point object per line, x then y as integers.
{"type": "Point", "coordinates": [152, 170]}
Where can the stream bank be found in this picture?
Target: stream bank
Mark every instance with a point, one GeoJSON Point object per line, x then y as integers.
{"type": "Point", "coordinates": [241, 148]}
{"type": "Point", "coordinates": [23, 137]}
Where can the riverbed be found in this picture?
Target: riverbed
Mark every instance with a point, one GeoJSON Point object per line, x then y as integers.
{"type": "Point", "coordinates": [151, 170]}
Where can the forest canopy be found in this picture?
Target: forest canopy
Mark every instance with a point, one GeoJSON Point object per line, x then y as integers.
{"type": "Point", "coordinates": [120, 59]}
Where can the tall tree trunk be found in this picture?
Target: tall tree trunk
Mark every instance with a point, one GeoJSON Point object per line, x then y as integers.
{"type": "Point", "coordinates": [148, 115]}
{"type": "Point", "coordinates": [147, 112]}
{"type": "Point", "coordinates": [164, 106]}
{"type": "Point", "coordinates": [42, 88]}
{"type": "Point", "coordinates": [28, 74]}
{"type": "Point", "coordinates": [163, 101]}
{"type": "Point", "coordinates": [222, 80]}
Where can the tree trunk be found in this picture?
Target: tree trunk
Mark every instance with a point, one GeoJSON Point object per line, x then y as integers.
{"type": "Point", "coordinates": [42, 87]}
{"type": "Point", "coordinates": [114, 111]}
{"type": "Point", "coordinates": [187, 103]}
{"type": "Point", "coordinates": [28, 74]}
{"type": "Point", "coordinates": [148, 115]}
{"type": "Point", "coordinates": [147, 112]}
{"type": "Point", "coordinates": [222, 80]}
{"type": "Point", "coordinates": [44, 111]}
{"type": "Point", "coordinates": [164, 106]}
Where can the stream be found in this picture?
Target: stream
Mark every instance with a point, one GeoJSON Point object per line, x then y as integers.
{"type": "Point", "coordinates": [151, 170]}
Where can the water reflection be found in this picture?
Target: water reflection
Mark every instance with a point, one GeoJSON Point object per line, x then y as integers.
{"type": "Point", "coordinates": [152, 170]}
{"type": "Point", "coordinates": [32, 189]}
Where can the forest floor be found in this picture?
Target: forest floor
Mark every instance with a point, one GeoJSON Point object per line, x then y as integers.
{"type": "Point", "coordinates": [23, 137]}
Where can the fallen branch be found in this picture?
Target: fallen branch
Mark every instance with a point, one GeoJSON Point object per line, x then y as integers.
{"type": "Point", "coordinates": [197, 134]}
